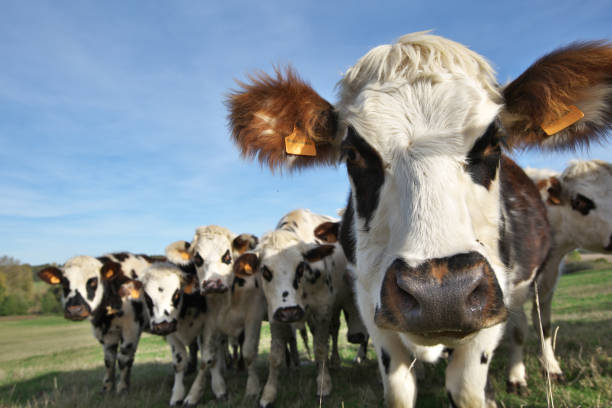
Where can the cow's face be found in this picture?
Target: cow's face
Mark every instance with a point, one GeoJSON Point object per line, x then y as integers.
{"type": "Point", "coordinates": [418, 125]}
{"type": "Point", "coordinates": [581, 200]}
{"type": "Point", "coordinates": [163, 287]}
{"type": "Point", "coordinates": [81, 285]}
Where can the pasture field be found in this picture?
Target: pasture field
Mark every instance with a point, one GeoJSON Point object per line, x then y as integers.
{"type": "Point", "coordinates": [50, 362]}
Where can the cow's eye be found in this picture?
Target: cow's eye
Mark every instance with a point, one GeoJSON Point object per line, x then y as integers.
{"type": "Point", "coordinates": [226, 258]}
{"type": "Point", "coordinates": [176, 297]}
{"type": "Point", "coordinates": [92, 283]}
{"type": "Point", "coordinates": [267, 274]}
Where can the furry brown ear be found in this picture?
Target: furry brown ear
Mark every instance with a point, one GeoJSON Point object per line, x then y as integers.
{"type": "Point", "coordinates": [51, 275]}
{"type": "Point", "coordinates": [246, 265]}
{"type": "Point", "coordinates": [243, 243]}
{"type": "Point", "coordinates": [319, 252]}
{"type": "Point", "coordinates": [270, 108]}
{"type": "Point", "coordinates": [540, 105]}
{"type": "Point", "coordinates": [130, 289]}
{"type": "Point", "coordinates": [110, 270]}
{"type": "Point", "coordinates": [327, 232]}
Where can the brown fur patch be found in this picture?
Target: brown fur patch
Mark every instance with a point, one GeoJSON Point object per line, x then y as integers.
{"type": "Point", "coordinates": [554, 191]}
{"type": "Point", "coordinates": [269, 108]}
{"type": "Point", "coordinates": [545, 91]}
{"type": "Point", "coordinates": [327, 232]}
{"type": "Point", "coordinates": [244, 242]}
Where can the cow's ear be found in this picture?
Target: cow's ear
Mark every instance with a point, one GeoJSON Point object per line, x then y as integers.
{"type": "Point", "coordinates": [131, 289]}
{"type": "Point", "coordinates": [283, 122]}
{"type": "Point", "coordinates": [563, 100]}
{"type": "Point", "coordinates": [189, 283]}
{"type": "Point", "coordinates": [51, 275]}
{"type": "Point", "coordinates": [246, 265]}
{"type": "Point", "coordinates": [110, 270]}
{"type": "Point", "coordinates": [178, 253]}
{"type": "Point", "coordinates": [318, 252]}
{"type": "Point", "coordinates": [243, 243]}
{"type": "Point", "coordinates": [328, 232]}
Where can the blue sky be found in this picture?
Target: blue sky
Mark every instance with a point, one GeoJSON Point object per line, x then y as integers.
{"type": "Point", "coordinates": [113, 132]}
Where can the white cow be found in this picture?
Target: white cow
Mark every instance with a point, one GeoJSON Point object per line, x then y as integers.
{"type": "Point", "coordinates": [579, 207]}
{"type": "Point", "coordinates": [441, 227]}
{"type": "Point", "coordinates": [297, 278]}
{"type": "Point", "coordinates": [91, 289]}
{"type": "Point", "coordinates": [235, 305]}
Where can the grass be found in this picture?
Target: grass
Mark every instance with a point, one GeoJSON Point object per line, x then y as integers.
{"type": "Point", "coordinates": [50, 362]}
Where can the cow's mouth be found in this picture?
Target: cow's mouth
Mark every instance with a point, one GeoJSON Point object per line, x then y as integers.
{"type": "Point", "coordinates": [163, 328]}
{"type": "Point", "coordinates": [213, 286]}
{"type": "Point", "coordinates": [76, 313]}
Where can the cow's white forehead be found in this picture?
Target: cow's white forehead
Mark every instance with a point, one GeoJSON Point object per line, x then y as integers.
{"type": "Point", "coordinates": [211, 241]}
{"type": "Point", "coordinates": [79, 269]}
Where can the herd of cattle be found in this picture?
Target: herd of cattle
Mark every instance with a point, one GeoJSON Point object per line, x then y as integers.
{"type": "Point", "coordinates": [442, 241]}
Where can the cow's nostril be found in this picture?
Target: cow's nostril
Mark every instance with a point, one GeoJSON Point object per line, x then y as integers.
{"type": "Point", "coordinates": [477, 299]}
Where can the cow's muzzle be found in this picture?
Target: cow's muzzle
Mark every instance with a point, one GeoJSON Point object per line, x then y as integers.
{"type": "Point", "coordinates": [289, 314]}
{"type": "Point", "coordinates": [76, 312]}
{"type": "Point", "coordinates": [163, 328]}
{"type": "Point", "coordinates": [444, 297]}
{"type": "Point", "coordinates": [213, 286]}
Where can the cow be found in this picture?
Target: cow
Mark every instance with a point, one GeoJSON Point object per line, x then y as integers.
{"type": "Point", "coordinates": [175, 309]}
{"type": "Point", "coordinates": [344, 301]}
{"type": "Point", "coordinates": [92, 290]}
{"type": "Point", "coordinates": [297, 287]}
{"type": "Point", "coordinates": [579, 208]}
{"type": "Point", "coordinates": [441, 226]}
{"type": "Point", "coordinates": [235, 305]}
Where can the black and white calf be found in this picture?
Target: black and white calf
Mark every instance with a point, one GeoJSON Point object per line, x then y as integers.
{"type": "Point", "coordinates": [579, 208]}
{"type": "Point", "coordinates": [442, 227]}
{"type": "Point", "coordinates": [95, 288]}
{"type": "Point", "coordinates": [296, 290]}
{"type": "Point", "coordinates": [235, 306]}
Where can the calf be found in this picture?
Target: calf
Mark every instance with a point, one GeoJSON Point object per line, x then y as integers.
{"type": "Point", "coordinates": [91, 289]}
{"type": "Point", "coordinates": [235, 305]}
{"type": "Point", "coordinates": [441, 226]}
{"type": "Point", "coordinates": [579, 208]}
{"type": "Point", "coordinates": [295, 291]}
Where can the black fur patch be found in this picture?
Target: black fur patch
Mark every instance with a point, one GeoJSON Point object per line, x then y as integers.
{"type": "Point", "coordinates": [91, 285]}
{"type": "Point", "coordinates": [365, 168]}
{"type": "Point", "coordinates": [127, 349]}
{"type": "Point", "coordinates": [346, 238]}
{"type": "Point", "coordinates": [582, 204]}
{"type": "Point", "coordinates": [139, 313]}
{"type": "Point", "coordinates": [483, 160]}
{"type": "Point", "coordinates": [121, 256]}
{"type": "Point", "coordinates": [198, 260]}
{"type": "Point", "coordinates": [266, 273]}
{"type": "Point", "coordinates": [386, 360]}
{"type": "Point", "coordinates": [484, 358]}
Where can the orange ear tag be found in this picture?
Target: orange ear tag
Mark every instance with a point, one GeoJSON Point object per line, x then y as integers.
{"type": "Point", "coordinates": [248, 269]}
{"type": "Point", "coordinates": [134, 294]}
{"type": "Point", "coordinates": [299, 144]}
{"type": "Point", "coordinates": [572, 116]}
{"type": "Point", "coordinates": [54, 280]}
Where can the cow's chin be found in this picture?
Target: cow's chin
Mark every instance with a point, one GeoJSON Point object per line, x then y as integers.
{"type": "Point", "coordinates": [77, 317]}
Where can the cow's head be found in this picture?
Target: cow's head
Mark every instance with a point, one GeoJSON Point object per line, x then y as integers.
{"type": "Point", "coordinates": [212, 251]}
{"type": "Point", "coordinates": [279, 260]}
{"type": "Point", "coordinates": [164, 287]}
{"type": "Point", "coordinates": [81, 282]}
{"type": "Point", "coordinates": [579, 202]}
{"type": "Point", "coordinates": [420, 125]}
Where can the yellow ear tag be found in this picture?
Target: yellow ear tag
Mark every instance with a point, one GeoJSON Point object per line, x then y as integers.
{"type": "Point", "coordinates": [572, 116]}
{"type": "Point", "coordinates": [248, 269]}
{"type": "Point", "coordinates": [109, 274]}
{"type": "Point", "coordinates": [134, 294]}
{"type": "Point", "coordinates": [110, 310]}
{"type": "Point", "coordinates": [299, 144]}
{"type": "Point", "coordinates": [54, 280]}
{"type": "Point", "coordinates": [185, 255]}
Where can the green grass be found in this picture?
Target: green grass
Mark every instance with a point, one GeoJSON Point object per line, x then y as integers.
{"type": "Point", "coordinates": [50, 362]}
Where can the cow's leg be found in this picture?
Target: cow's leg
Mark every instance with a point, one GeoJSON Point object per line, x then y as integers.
{"type": "Point", "coordinates": [207, 358]}
{"type": "Point", "coordinates": [250, 346]}
{"type": "Point", "coordinates": [362, 352]}
{"type": "Point", "coordinates": [215, 362]}
{"type": "Point", "coordinates": [125, 359]}
{"type": "Point", "coordinates": [517, 329]}
{"type": "Point", "coordinates": [334, 329]}
{"type": "Point", "coordinates": [193, 357]}
{"type": "Point", "coordinates": [180, 362]}
{"type": "Point", "coordinates": [304, 336]}
{"type": "Point", "coordinates": [110, 357]}
{"type": "Point", "coordinates": [546, 284]}
{"type": "Point", "coordinates": [466, 373]}
{"type": "Point", "coordinates": [321, 351]}
{"type": "Point", "coordinates": [280, 333]}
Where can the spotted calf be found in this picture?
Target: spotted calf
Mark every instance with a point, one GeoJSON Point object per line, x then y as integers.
{"type": "Point", "coordinates": [93, 289]}
{"type": "Point", "coordinates": [579, 208]}
{"type": "Point", "coordinates": [235, 305]}
{"type": "Point", "coordinates": [441, 226]}
{"type": "Point", "coordinates": [297, 290]}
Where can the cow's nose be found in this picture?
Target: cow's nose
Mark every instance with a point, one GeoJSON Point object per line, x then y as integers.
{"type": "Point", "coordinates": [446, 297]}
{"type": "Point", "coordinates": [76, 312]}
{"type": "Point", "coordinates": [288, 314]}
{"type": "Point", "coordinates": [163, 328]}
{"type": "Point", "coordinates": [213, 286]}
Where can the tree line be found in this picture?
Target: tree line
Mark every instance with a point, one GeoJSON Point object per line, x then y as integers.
{"type": "Point", "coordinates": [22, 292]}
